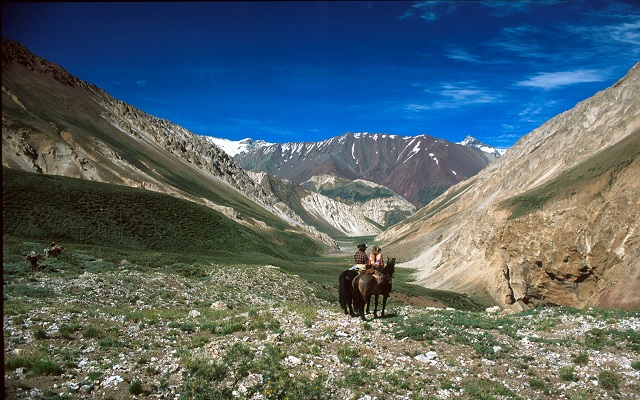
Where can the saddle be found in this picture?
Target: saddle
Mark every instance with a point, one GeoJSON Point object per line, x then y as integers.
{"type": "Point", "coordinates": [379, 275]}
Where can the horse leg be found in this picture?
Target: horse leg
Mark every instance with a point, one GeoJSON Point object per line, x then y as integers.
{"type": "Point", "coordinates": [362, 314]}
{"type": "Point", "coordinates": [375, 308]}
{"type": "Point", "coordinates": [350, 305]}
{"type": "Point", "coordinates": [349, 297]}
{"type": "Point", "coordinates": [384, 304]}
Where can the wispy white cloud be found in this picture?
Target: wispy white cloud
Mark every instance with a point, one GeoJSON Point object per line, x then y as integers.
{"type": "Point", "coordinates": [508, 8]}
{"type": "Point", "coordinates": [432, 10]}
{"type": "Point", "coordinates": [429, 10]}
{"type": "Point", "coordinates": [505, 140]}
{"type": "Point", "coordinates": [606, 37]}
{"type": "Point", "coordinates": [459, 54]}
{"type": "Point", "coordinates": [554, 80]}
{"type": "Point", "coordinates": [627, 32]}
{"type": "Point", "coordinates": [449, 96]}
{"type": "Point", "coordinates": [141, 82]}
{"type": "Point", "coordinates": [467, 94]}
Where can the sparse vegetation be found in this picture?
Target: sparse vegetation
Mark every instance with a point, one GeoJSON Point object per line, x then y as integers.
{"type": "Point", "coordinates": [114, 321]}
{"type": "Point", "coordinates": [608, 380]}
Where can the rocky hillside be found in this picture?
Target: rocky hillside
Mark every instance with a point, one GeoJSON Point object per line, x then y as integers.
{"type": "Point", "coordinates": [89, 328]}
{"type": "Point", "coordinates": [554, 221]}
{"type": "Point", "coordinates": [418, 168]}
{"type": "Point", "coordinates": [54, 123]}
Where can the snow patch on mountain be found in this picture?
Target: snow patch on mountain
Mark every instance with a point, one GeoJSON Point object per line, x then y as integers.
{"type": "Point", "coordinates": [473, 142]}
{"type": "Point", "coordinates": [233, 147]}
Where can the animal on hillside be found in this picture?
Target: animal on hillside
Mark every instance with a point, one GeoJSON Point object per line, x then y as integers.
{"type": "Point", "coordinates": [33, 258]}
{"type": "Point", "coordinates": [345, 291]}
{"type": "Point", "coordinates": [366, 285]}
{"type": "Point", "coordinates": [53, 252]}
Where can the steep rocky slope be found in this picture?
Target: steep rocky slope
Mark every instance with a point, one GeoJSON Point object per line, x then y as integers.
{"type": "Point", "coordinates": [331, 216]}
{"type": "Point", "coordinates": [54, 123]}
{"type": "Point", "coordinates": [554, 221]}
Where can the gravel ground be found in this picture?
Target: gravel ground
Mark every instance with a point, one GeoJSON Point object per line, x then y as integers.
{"type": "Point", "coordinates": [130, 333]}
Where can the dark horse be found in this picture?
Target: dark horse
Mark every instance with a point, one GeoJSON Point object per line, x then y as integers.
{"type": "Point", "coordinates": [53, 252]}
{"type": "Point", "coordinates": [366, 285]}
{"type": "Point", "coordinates": [345, 290]}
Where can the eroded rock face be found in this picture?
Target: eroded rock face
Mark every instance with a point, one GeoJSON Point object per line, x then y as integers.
{"type": "Point", "coordinates": [569, 253]}
{"type": "Point", "coordinates": [554, 221]}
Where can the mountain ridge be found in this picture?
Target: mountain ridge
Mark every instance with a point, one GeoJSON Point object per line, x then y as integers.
{"type": "Point", "coordinates": [55, 123]}
{"type": "Point", "coordinates": [388, 160]}
{"type": "Point", "coordinates": [553, 221]}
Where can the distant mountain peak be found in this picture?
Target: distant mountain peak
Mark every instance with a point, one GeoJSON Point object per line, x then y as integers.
{"type": "Point", "coordinates": [470, 141]}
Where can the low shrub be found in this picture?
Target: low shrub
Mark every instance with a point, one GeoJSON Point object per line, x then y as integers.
{"type": "Point", "coordinates": [347, 354]}
{"type": "Point", "coordinates": [566, 374]}
{"type": "Point", "coordinates": [135, 387]}
{"type": "Point", "coordinates": [581, 358]}
{"type": "Point", "coordinates": [40, 333]}
{"type": "Point", "coordinates": [608, 380]}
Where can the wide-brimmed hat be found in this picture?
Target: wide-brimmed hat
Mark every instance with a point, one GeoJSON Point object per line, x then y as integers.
{"type": "Point", "coordinates": [362, 246]}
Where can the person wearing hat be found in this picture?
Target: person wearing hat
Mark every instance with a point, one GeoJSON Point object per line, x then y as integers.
{"type": "Point", "coordinates": [375, 259]}
{"type": "Point", "coordinates": [361, 258]}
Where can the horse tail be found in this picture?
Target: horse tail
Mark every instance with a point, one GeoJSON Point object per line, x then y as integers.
{"type": "Point", "coordinates": [358, 299]}
{"type": "Point", "coordinates": [342, 290]}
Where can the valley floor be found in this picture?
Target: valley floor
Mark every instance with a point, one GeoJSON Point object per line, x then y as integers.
{"type": "Point", "coordinates": [241, 332]}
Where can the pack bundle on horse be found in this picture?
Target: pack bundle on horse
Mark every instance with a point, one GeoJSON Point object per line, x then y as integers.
{"type": "Point", "coordinates": [53, 252]}
{"type": "Point", "coordinates": [345, 290]}
{"type": "Point", "coordinates": [367, 285]}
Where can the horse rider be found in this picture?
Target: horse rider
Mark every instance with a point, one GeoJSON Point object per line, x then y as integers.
{"type": "Point", "coordinates": [361, 258]}
{"type": "Point", "coordinates": [375, 259]}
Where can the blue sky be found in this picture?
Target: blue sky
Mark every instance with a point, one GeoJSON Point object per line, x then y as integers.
{"type": "Point", "coordinates": [309, 71]}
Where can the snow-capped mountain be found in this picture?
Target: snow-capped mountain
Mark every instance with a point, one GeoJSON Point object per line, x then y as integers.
{"type": "Point", "coordinates": [233, 147]}
{"type": "Point", "coordinates": [473, 142]}
{"type": "Point", "coordinates": [418, 168]}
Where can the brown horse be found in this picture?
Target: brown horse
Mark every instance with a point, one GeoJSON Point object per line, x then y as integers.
{"type": "Point", "coordinates": [33, 258]}
{"type": "Point", "coordinates": [366, 285]}
{"type": "Point", "coordinates": [53, 252]}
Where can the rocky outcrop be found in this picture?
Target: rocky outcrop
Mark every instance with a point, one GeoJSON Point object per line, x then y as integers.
{"type": "Point", "coordinates": [352, 219]}
{"type": "Point", "coordinates": [371, 202]}
{"type": "Point", "coordinates": [554, 221]}
{"type": "Point", "coordinates": [343, 217]}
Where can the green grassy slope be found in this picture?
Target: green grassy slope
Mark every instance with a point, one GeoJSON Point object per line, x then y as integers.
{"type": "Point", "coordinates": [63, 209]}
{"type": "Point", "coordinates": [117, 223]}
